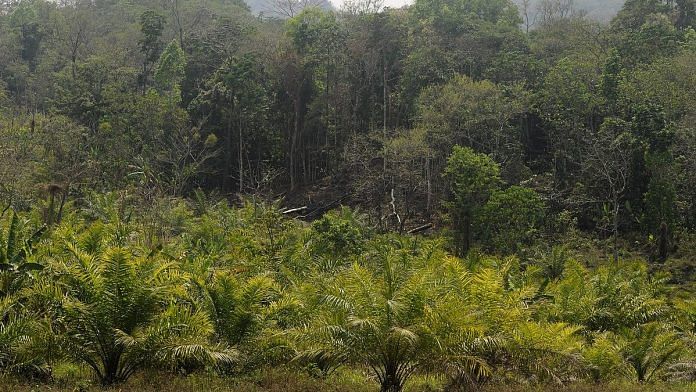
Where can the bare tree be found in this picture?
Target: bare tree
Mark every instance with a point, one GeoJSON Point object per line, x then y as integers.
{"type": "Point", "coordinates": [391, 176]}
{"type": "Point", "coordinates": [526, 10]}
{"type": "Point", "coordinates": [360, 7]}
{"type": "Point", "coordinates": [176, 13]}
{"type": "Point", "coordinates": [290, 8]}
{"type": "Point", "coordinates": [554, 10]}
{"type": "Point", "coordinates": [6, 6]}
{"type": "Point", "coordinates": [77, 33]}
{"type": "Point", "coordinates": [182, 158]}
{"type": "Point", "coordinates": [607, 165]}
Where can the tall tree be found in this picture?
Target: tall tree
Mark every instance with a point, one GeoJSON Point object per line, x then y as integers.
{"type": "Point", "coordinates": [471, 178]}
{"type": "Point", "coordinates": [237, 99]}
{"type": "Point", "coordinates": [151, 27]}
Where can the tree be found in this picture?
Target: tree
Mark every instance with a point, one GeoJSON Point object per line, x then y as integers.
{"type": "Point", "coordinates": [361, 7]}
{"type": "Point", "coordinates": [25, 21]}
{"type": "Point", "coordinates": [571, 104]}
{"type": "Point", "coordinates": [20, 324]}
{"type": "Point", "coordinates": [393, 175]}
{"type": "Point", "coordinates": [526, 13]}
{"type": "Point", "coordinates": [242, 309]}
{"type": "Point", "coordinates": [78, 32]}
{"type": "Point", "coordinates": [635, 13]}
{"type": "Point", "coordinates": [383, 317]}
{"type": "Point", "coordinates": [612, 298]}
{"type": "Point", "coordinates": [338, 234]}
{"type": "Point", "coordinates": [447, 16]}
{"type": "Point", "coordinates": [471, 179]}
{"type": "Point", "coordinates": [16, 265]}
{"type": "Point", "coordinates": [475, 114]}
{"type": "Point", "coordinates": [554, 10]}
{"type": "Point", "coordinates": [649, 349]}
{"type": "Point", "coordinates": [291, 8]}
{"type": "Point", "coordinates": [316, 40]}
{"type": "Point", "coordinates": [457, 37]}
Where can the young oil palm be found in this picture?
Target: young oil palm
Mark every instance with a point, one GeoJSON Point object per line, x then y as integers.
{"type": "Point", "coordinates": [379, 317]}
{"type": "Point", "coordinates": [486, 327]}
{"type": "Point", "coordinates": [17, 322]}
{"type": "Point", "coordinates": [120, 313]}
{"type": "Point", "coordinates": [18, 328]}
{"type": "Point", "coordinates": [16, 247]}
{"type": "Point", "coordinates": [650, 349]}
{"type": "Point", "coordinates": [239, 308]}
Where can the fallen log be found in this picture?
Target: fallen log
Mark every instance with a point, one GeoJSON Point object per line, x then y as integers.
{"type": "Point", "coordinates": [323, 209]}
{"type": "Point", "coordinates": [294, 210]}
{"type": "Point", "coordinates": [420, 229]}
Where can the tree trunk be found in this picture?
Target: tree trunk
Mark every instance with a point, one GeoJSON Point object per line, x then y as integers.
{"type": "Point", "coordinates": [663, 242]}
{"type": "Point", "coordinates": [429, 184]}
{"type": "Point", "coordinates": [384, 93]}
{"type": "Point", "coordinates": [241, 156]}
{"type": "Point", "coordinates": [466, 244]}
{"type": "Point", "coordinates": [228, 152]}
{"type": "Point", "coordinates": [463, 234]}
{"type": "Point", "coordinates": [615, 227]}
{"type": "Point", "coordinates": [293, 143]}
{"type": "Point", "coordinates": [73, 59]}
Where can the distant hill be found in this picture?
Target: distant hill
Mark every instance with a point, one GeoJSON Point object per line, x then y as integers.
{"type": "Point", "coordinates": [602, 10]}
{"type": "Point", "coordinates": [271, 7]}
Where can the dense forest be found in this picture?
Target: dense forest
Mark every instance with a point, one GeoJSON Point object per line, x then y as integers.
{"type": "Point", "coordinates": [452, 195]}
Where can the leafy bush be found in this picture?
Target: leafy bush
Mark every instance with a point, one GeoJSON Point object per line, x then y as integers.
{"type": "Point", "coordinates": [510, 219]}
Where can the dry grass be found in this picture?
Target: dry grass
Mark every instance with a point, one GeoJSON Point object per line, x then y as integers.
{"type": "Point", "coordinates": [589, 387]}
{"type": "Point", "coordinates": [284, 380]}
{"type": "Point", "coordinates": [271, 380]}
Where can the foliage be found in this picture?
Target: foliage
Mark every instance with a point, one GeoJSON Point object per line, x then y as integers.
{"type": "Point", "coordinates": [16, 266]}
{"type": "Point", "coordinates": [610, 299]}
{"type": "Point", "coordinates": [649, 348]}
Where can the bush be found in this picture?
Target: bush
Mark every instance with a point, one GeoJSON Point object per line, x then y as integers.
{"type": "Point", "coordinates": [510, 219]}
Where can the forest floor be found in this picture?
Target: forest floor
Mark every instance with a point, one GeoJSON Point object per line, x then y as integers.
{"type": "Point", "coordinates": [288, 381]}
